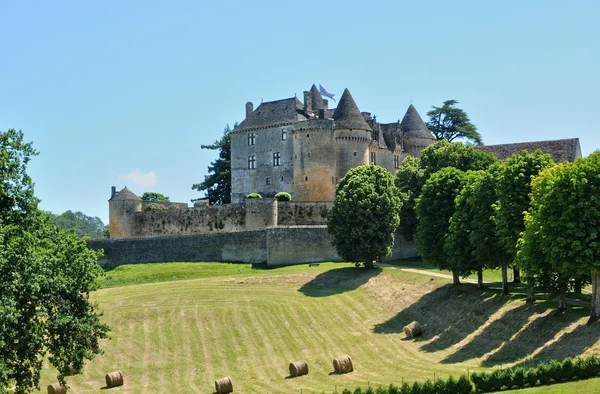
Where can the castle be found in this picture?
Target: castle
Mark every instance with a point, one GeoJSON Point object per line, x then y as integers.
{"type": "Point", "coordinates": [306, 148]}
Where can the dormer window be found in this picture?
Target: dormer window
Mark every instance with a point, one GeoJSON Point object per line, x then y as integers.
{"type": "Point", "coordinates": [396, 161]}
{"type": "Point", "coordinates": [251, 139]}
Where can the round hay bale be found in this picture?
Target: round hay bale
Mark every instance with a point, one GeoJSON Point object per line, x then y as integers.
{"type": "Point", "coordinates": [57, 388]}
{"type": "Point", "coordinates": [224, 385]}
{"type": "Point", "coordinates": [298, 368]}
{"type": "Point", "coordinates": [114, 379]}
{"type": "Point", "coordinates": [413, 329]}
{"type": "Point", "coordinates": [343, 364]}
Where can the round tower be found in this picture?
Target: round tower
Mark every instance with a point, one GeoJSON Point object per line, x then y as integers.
{"type": "Point", "coordinates": [352, 136]}
{"type": "Point", "coordinates": [122, 207]}
{"type": "Point", "coordinates": [416, 136]}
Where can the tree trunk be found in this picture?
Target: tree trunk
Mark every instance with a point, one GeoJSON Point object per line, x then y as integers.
{"type": "Point", "coordinates": [516, 275]}
{"type": "Point", "coordinates": [562, 302]}
{"type": "Point", "coordinates": [530, 291]}
{"type": "Point", "coordinates": [480, 279]}
{"type": "Point", "coordinates": [578, 285]}
{"type": "Point", "coordinates": [595, 298]}
{"type": "Point", "coordinates": [504, 279]}
{"type": "Point", "coordinates": [455, 278]}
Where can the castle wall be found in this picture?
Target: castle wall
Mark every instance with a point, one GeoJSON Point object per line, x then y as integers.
{"type": "Point", "coordinates": [276, 246]}
{"type": "Point", "coordinates": [291, 213]}
{"type": "Point", "coordinates": [351, 150]}
{"type": "Point", "coordinates": [414, 146]}
{"type": "Point", "coordinates": [314, 162]}
{"type": "Point", "coordinates": [266, 178]}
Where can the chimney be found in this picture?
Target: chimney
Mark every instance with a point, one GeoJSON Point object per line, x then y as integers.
{"type": "Point", "coordinates": [325, 104]}
{"type": "Point", "coordinates": [113, 191]}
{"type": "Point", "coordinates": [249, 108]}
{"type": "Point", "coordinates": [307, 102]}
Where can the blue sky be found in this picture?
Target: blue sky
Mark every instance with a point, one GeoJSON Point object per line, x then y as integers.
{"type": "Point", "coordinates": [124, 93]}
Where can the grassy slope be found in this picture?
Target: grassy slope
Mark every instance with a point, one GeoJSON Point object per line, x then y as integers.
{"type": "Point", "coordinates": [180, 336]}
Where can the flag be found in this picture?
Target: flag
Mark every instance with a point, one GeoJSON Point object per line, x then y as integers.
{"type": "Point", "coordinates": [326, 93]}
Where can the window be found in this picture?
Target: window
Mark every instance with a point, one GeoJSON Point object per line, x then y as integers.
{"type": "Point", "coordinates": [252, 139]}
{"type": "Point", "coordinates": [355, 153]}
{"type": "Point", "coordinates": [306, 178]}
{"type": "Point", "coordinates": [396, 161]}
{"type": "Point", "coordinates": [251, 162]}
{"type": "Point", "coordinates": [373, 160]}
{"type": "Point", "coordinates": [283, 134]}
{"type": "Point", "coordinates": [276, 159]}
{"type": "Point", "coordinates": [268, 180]}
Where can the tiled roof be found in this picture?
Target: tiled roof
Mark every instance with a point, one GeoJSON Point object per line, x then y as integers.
{"type": "Point", "coordinates": [560, 150]}
{"type": "Point", "coordinates": [392, 134]}
{"type": "Point", "coordinates": [413, 126]}
{"type": "Point", "coordinates": [274, 113]}
{"type": "Point", "coordinates": [125, 194]}
{"type": "Point", "coordinates": [347, 115]}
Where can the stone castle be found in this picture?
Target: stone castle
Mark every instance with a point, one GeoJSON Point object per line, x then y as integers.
{"type": "Point", "coordinates": [306, 148]}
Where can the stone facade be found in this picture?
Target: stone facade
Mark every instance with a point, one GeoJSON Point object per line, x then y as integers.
{"type": "Point", "coordinates": [306, 148]}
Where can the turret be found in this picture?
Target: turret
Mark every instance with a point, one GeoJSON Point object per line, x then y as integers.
{"type": "Point", "coordinates": [415, 134]}
{"type": "Point", "coordinates": [122, 207]}
{"type": "Point", "coordinates": [316, 99]}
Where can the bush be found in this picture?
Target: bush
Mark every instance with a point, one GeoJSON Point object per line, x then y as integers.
{"type": "Point", "coordinates": [555, 371]}
{"type": "Point", "coordinates": [592, 366]}
{"type": "Point", "coordinates": [416, 388]}
{"type": "Point", "coordinates": [381, 390]}
{"type": "Point", "coordinates": [253, 195]}
{"type": "Point", "coordinates": [506, 378]}
{"type": "Point", "coordinates": [518, 378]}
{"type": "Point", "coordinates": [451, 386]}
{"type": "Point", "coordinates": [568, 369]}
{"type": "Point", "coordinates": [283, 196]}
{"type": "Point", "coordinates": [155, 207]}
{"type": "Point", "coordinates": [496, 379]}
{"type": "Point", "coordinates": [531, 377]}
{"type": "Point", "coordinates": [439, 385]}
{"type": "Point", "coordinates": [463, 386]}
{"type": "Point", "coordinates": [346, 391]}
{"type": "Point", "coordinates": [393, 389]}
{"type": "Point", "coordinates": [369, 390]}
{"type": "Point", "coordinates": [428, 387]}
{"type": "Point", "coordinates": [405, 389]}
{"type": "Point", "coordinates": [358, 390]}
{"type": "Point", "coordinates": [580, 367]}
{"type": "Point", "coordinates": [543, 373]}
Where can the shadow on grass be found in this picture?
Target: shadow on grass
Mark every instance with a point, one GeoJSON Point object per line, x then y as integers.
{"type": "Point", "coordinates": [338, 281]}
{"type": "Point", "coordinates": [448, 315]}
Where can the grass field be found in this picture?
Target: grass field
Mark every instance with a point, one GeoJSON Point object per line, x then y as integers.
{"type": "Point", "coordinates": [177, 327]}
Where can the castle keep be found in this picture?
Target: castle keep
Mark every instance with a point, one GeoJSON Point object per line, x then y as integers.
{"type": "Point", "coordinates": [306, 148]}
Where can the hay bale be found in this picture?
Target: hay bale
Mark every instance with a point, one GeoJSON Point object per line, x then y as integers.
{"type": "Point", "coordinates": [343, 364]}
{"type": "Point", "coordinates": [114, 379]}
{"type": "Point", "coordinates": [298, 368]}
{"type": "Point", "coordinates": [224, 385]}
{"type": "Point", "coordinates": [413, 329]}
{"type": "Point", "coordinates": [57, 388]}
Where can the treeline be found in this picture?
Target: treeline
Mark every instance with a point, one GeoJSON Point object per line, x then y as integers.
{"type": "Point", "coordinates": [82, 224]}
{"type": "Point", "coordinates": [468, 212]}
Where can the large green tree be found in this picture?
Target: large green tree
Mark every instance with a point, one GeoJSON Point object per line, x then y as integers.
{"type": "Point", "coordinates": [434, 209]}
{"type": "Point", "coordinates": [449, 122]}
{"type": "Point", "coordinates": [365, 214]}
{"type": "Point", "coordinates": [43, 273]}
{"type": "Point", "coordinates": [154, 196]}
{"type": "Point", "coordinates": [561, 233]}
{"type": "Point", "coordinates": [82, 224]}
{"type": "Point", "coordinates": [513, 187]}
{"type": "Point", "coordinates": [409, 180]}
{"type": "Point", "coordinates": [217, 183]}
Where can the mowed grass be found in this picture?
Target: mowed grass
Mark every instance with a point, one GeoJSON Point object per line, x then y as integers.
{"type": "Point", "coordinates": [233, 320]}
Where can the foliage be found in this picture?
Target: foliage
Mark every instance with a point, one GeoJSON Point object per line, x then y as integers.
{"type": "Point", "coordinates": [253, 195]}
{"type": "Point", "coordinates": [434, 209]}
{"type": "Point", "coordinates": [364, 216]}
{"type": "Point", "coordinates": [153, 196]}
{"type": "Point", "coordinates": [283, 196]}
{"type": "Point", "coordinates": [449, 122]}
{"type": "Point", "coordinates": [561, 233]}
{"type": "Point", "coordinates": [43, 273]}
{"type": "Point", "coordinates": [217, 184]}
{"type": "Point", "coordinates": [155, 207]}
{"type": "Point", "coordinates": [458, 155]}
{"type": "Point", "coordinates": [83, 225]}
{"type": "Point", "coordinates": [409, 180]}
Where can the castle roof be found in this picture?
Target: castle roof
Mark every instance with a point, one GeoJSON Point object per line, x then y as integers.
{"type": "Point", "coordinates": [560, 150]}
{"type": "Point", "coordinates": [124, 194]}
{"type": "Point", "coordinates": [347, 115]}
{"type": "Point", "coordinates": [413, 126]}
{"type": "Point", "coordinates": [316, 99]}
{"type": "Point", "coordinates": [391, 134]}
{"type": "Point", "coordinates": [273, 114]}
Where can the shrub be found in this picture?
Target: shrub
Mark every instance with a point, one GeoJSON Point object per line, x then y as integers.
{"type": "Point", "coordinates": [592, 366]}
{"type": "Point", "coordinates": [155, 207]}
{"type": "Point", "coordinates": [580, 368]}
{"type": "Point", "coordinates": [518, 378]}
{"type": "Point", "coordinates": [253, 195]}
{"type": "Point", "coordinates": [283, 196]}
{"type": "Point", "coordinates": [369, 390]}
{"type": "Point", "coordinates": [555, 371]}
{"type": "Point", "coordinates": [393, 389]}
{"type": "Point", "coordinates": [479, 379]}
{"type": "Point", "coordinates": [428, 387]}
{"type": "Point", "coordinates": [496, 379]}
{"type": "Point", "coordinates": [358, 390]}
{"type": "Point", "coordinates": [463, 386]}
{"type": "Point", "coordinates": [451, 385]}
{"type": "Point", "coordinates": [405, 389]}
{"type": "Point", "coordinates": [543, 373]}
{"type": "Point", "coordinates": [506, 378]}
{"type": "Point", "coordinates": [416, 388]}
{"type": "Point", "coordinates": [381, 390]}
{"type": "Point", "coordinates": [346, 391]}
{"type": "Point", "coordinates": [439, 385]}
{"type": "Point", "coordinates": [531, 377]}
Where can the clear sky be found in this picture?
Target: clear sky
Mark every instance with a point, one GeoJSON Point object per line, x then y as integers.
{"type": "Point", "coordinates": [124, 93]}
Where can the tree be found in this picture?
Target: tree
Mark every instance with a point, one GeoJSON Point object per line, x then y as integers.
{"type": "Point", "coordinates": [217, 184]}
{"type": "Point", "coordinates": [434, 209]}
{"type": "Point", "coordinates": [365, 216]}
{"type": "Point", "coordinates": [562, 227]}
{"type": "Point", "coordinates": [83, 225]}
{"type": "Point", "coordinates": [513, 187]}
{"type": "Point", "coordinates": [409, 180]}
{"type": "Point", "coordinates": [43, 273]}
{"type": "Point", "coordinates": [153, 196]}
{"type": "Point", "coordinates": [448, 122]}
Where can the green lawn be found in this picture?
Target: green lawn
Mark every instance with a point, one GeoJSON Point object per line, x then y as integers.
{"type": "Point", "coordinates": [176, 327]}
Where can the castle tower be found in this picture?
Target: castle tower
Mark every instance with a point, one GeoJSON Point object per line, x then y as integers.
{"type": "Point", "coordinates": [416, 135]}
{"type": "Point", "coordinates": [316, 99]}
{"type": "Point", "coordinates": [122, 207]}
{"type": "Point", "coordinates": [352, 136]}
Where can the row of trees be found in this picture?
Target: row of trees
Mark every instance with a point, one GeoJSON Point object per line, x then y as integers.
{"type": "Point", "coordinates": [468, 212]}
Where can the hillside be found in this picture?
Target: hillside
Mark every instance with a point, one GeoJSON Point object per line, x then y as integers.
{"type": "Point", "coordinates": [179, 336]}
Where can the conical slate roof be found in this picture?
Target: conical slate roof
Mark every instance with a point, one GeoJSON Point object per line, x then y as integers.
{"type": "Point", "coordinates": [413, 126]}
{"type": "Point", "coordinates": [125, 194]}
{"type": "Point", "coordinates": [347, 115]}
{"type": "Point", "coordinates": [316, 99]}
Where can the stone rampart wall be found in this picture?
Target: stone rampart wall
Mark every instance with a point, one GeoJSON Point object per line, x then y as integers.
{"type": "Point", "coordinates": [291, 213]}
